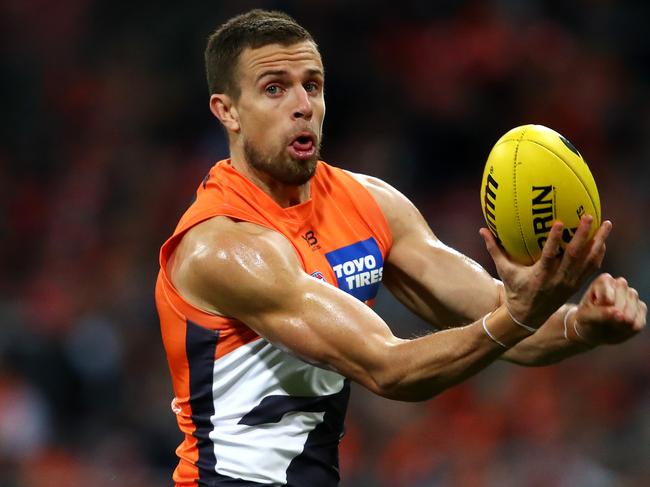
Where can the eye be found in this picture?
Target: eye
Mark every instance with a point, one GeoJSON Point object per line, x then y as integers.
{"type": "Point", "coordinates": [273, 90]}
{"type": "Point", "coordinates": [311, 87]}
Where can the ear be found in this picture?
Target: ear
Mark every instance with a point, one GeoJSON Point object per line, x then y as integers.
{"type": "Point", "coordinates": [224, 109]}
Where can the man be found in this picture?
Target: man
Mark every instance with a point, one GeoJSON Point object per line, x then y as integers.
{"type": "Point", "coordinates": [265, 286]}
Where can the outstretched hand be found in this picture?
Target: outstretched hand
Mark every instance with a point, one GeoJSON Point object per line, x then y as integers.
{"type": "Point", "coordinates": [534, 292]}
{"type": "Point", "coordinates": [609, 312]}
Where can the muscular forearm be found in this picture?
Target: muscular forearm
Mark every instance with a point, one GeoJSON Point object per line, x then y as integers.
{"type": "Point", "coordinates": [419, 369]}
{"type": "Point", "coordinates": [550, 344]}
{"type": "Point", "coordinates": [546, 346]}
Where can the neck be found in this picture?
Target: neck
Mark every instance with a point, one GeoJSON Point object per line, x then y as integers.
{"type": "Point", "coordinates": [284, 195]}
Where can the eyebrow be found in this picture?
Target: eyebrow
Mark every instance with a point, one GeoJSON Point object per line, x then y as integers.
{"type": "Point", "coordinates": [282, 72]}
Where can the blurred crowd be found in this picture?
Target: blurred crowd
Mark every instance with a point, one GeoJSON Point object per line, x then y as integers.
{"type": "Point", "coordinates": [106, 133]}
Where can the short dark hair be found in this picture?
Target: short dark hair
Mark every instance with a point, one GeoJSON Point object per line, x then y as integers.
{"type": "Point", "coordinates": [253, 29]}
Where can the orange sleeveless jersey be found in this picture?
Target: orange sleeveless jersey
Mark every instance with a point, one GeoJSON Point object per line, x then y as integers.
{"type": "Point", "coordinates": [341, 236]}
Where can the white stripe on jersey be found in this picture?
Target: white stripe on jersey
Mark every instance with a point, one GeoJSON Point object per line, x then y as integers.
{"type": "Point", "coordinates": [242, 379]}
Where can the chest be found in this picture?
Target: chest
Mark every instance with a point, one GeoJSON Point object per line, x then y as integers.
{"type": "Point", "coordinates": [343, 253]}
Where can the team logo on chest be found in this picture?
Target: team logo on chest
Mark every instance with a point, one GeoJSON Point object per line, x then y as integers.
{"type": "Point", "coordinates": [318, 275]}
{"type": "Point", "coordinates": [358, 268]}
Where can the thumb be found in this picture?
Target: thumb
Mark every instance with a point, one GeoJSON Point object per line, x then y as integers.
{"type": "Point", "coordinates": [602, 290]}
{"type": "Point", "coordinates": [500, 258]}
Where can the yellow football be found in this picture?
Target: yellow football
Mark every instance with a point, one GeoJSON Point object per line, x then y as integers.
{"type": "Point", "coordinates": [533, 177]}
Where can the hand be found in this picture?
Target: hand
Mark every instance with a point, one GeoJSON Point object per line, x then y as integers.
{"type": "Point", "coordinates": [533, 293]}
{"type": "Point", "coordinates": [609, 312]}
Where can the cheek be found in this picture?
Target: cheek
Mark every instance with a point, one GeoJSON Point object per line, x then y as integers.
{"type": "Point", "coordinates": [254, 124]}
{"type": "Point", "coordinates": [263, 131]}
{"type": "Point", "coordinates": [319, 110]}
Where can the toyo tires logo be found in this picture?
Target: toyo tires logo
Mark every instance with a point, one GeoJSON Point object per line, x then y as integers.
{"type": "Point", "coordinates": [358, 268]}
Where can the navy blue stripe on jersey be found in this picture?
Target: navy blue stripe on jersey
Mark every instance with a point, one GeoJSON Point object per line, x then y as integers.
{"type": "Point", "coordinates": [272, 408]}
{"type": "Point", "coordinates": [200, 347]}
{"type": "Point", "coordinates": [223, 481]}
{"type": "Point", "coordinates": [318, 464]}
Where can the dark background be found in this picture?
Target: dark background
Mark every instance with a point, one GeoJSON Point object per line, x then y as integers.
{"type": "Point", "coordinates": [106, 133]}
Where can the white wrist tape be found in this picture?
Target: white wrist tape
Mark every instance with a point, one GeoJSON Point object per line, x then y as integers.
{"type": "Point", "coordinates": [529, 328]}
{"type": "Point", "coordinates": [566, 320]}
{"type": "Point", "coordinates": [487, 332]}
{"type": "Point", "coordinates": [575, 329]}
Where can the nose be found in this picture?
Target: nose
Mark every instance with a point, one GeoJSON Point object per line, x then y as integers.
{"type": "Point", "coordinates": [303, 107]}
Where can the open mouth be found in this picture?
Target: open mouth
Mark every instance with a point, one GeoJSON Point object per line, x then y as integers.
{"type": "Point", "coordinates": [303, 145]}
{"type": "Point", "coordinates": [303, 141]}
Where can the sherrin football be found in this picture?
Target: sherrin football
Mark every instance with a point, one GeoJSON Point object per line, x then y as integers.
{"type": "Point", "coordinates": [533, 177]}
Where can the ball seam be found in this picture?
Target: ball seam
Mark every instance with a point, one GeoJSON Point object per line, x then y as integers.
{"type": "Point", "coordinates": [514, 187]}
{"type": "Point", "coordinates": [576, 174]}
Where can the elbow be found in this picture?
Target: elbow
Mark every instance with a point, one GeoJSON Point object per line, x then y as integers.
{"type": "Point", "coordinates": [392, 380]}
{"type": "Point", "coordinates": [395, 389]}
{"type": "Point", "coordinates": [384, 383]}
{"type": "Point", "coordinates": [391, 371]}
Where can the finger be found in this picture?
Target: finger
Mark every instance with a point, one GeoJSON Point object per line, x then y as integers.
{"type": "Point", "coordinates": [603, 290]}
{"type": "Point", "coordinates": [608, 313]}
{"type": "Point", "coordinates": [552, 247]}
{"type": "Point", "coordinates": [603, 232]}
{"type": "Point", "coordinates": [641, 317]}
{"type": "Point", "coordinates": [631, 304]}
{"type": "Point", "coordinates": [596, 258]}
{"type": "Point", "coordinates": [620, 295]}
{"type": "Point", "coordinates": [580, 239]}
{"type": "Point", "coordinates": [598, 247]}
{"type": "Point", "coordinates": [574, 254]}
{"type": "Point", "coordinates": [497, 253]}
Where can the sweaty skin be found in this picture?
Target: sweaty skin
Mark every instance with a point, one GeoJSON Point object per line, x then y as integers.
{"type": "Point", "coordinates": [418, 269]}
{"type": "Point", "coordinates": [250, 273]}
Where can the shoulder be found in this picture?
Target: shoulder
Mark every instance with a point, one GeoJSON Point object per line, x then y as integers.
{"type": "Point", "coordinates": [381, 190]}
{"type": "Point", "coordinates": [220, 263]}
{"type": "Point", "coordinates": [401, 214]}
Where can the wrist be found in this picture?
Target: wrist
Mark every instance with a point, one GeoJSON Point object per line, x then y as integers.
{"type": "Point", "coordinates": [502, 329]}
{"type": "Point", "coordinates": [573, 331]}
{"type": "Point", "coordinates": [523, 316]}
{"type": "Point", "coordinates": [531, 329]}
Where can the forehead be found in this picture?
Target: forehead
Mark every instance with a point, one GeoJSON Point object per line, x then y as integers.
{"type": "Point", "coordinates": [299, 56]}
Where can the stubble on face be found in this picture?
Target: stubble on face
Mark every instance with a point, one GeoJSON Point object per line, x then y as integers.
{"type": "Point", "coordinates": [280, 166]}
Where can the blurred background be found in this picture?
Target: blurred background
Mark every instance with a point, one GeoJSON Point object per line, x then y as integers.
{"type": "Point", "coordinates": [106, 133]}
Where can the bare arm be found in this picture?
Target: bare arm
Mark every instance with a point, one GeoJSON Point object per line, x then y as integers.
{"type": "Point", "coordinates": [447, 288]}
{"type": "Point", "coordinates": [252, 274]}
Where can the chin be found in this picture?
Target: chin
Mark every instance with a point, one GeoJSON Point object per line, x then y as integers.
{"type": "Point", "coordinates": [282, 168]}
{"type": "Point", "coordinates": [300, 173]}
